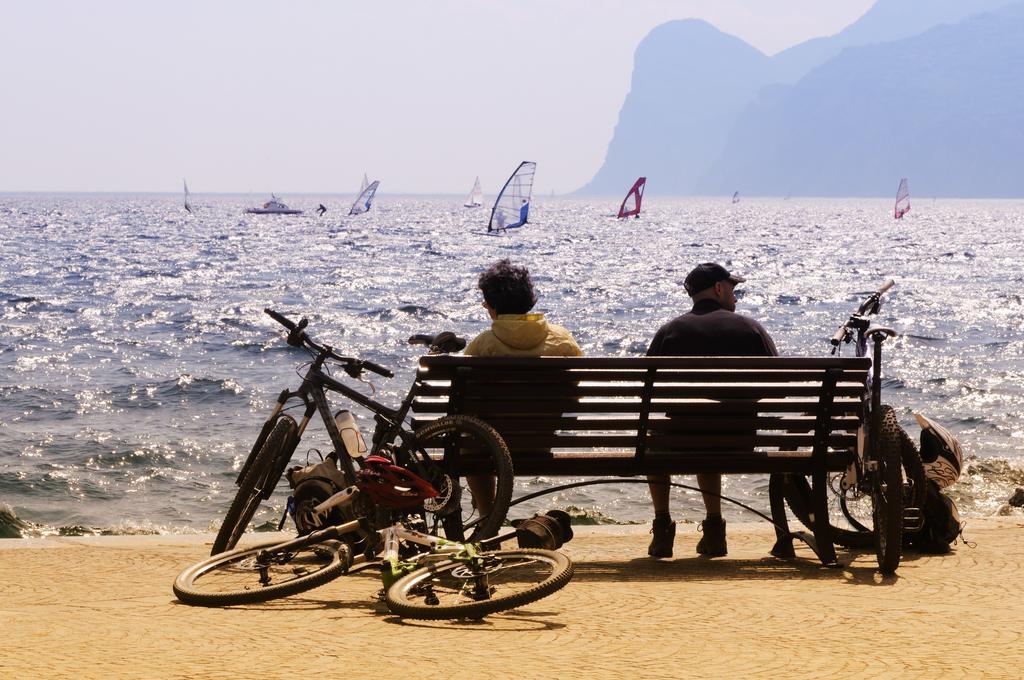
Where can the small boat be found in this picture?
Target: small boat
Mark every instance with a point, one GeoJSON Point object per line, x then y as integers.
{"type": "Point", "coordinates": [273, 207]}
{"type": "Point", "coordinates": [476, 196]}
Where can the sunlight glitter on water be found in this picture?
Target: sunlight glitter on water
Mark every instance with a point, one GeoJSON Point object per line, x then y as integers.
{"type": "Point", "coordinates": [133, 332]}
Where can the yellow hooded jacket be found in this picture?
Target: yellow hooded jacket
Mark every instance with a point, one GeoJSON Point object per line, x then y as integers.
{"type": "Point", "coordinates": [523, 335]}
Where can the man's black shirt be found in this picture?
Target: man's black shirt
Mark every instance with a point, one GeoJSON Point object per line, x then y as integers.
{"type": "Point", "coordinates": [710, 330]}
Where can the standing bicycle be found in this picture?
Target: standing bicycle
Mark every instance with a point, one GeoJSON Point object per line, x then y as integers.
{"type": "Point", "coordinates": [436, 452]}
{"type": "Point", "coordinates": [881, 494]}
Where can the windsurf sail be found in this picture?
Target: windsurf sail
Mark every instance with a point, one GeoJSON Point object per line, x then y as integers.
{"type": "Point", "coordinates": [476, 196]}
{"type": "Point", "coordinates": [902, 199]}
{"type": "Point", "coordinates": [366, 183]}
{"type": "Point", "coordinates": [631, 203]}
{"type": "Point", "coordinates": [365, 199]}
{"type": "Point", "coordinates": [188, 196]}
{"type": "Point", "coordinates": [735, 197]}
{"type": "Point", "coordinates": [512, 207]}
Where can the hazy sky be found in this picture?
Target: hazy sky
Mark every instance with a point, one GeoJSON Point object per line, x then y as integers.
{"type": "Point", "coordinates": [306, 96]}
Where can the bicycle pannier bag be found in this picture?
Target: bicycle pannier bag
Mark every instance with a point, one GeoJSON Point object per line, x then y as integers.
{"type": "Point", "coordinates": [312, 485]}
{"type": "Point", "coordinates": [942, 523]}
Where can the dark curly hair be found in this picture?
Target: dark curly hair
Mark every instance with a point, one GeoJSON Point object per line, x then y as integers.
{"type": "Point", "coordinates": [507, 288]}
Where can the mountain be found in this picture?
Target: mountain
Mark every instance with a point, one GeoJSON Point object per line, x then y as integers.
{"type": "Point", "coordinates": [886, 21]}
{"type": "Point", "coordinates": [696, 94]}
{"type": "Point", "coordinates": [677, 117]}
{"type": "Point", "coordinates": [943, 108]}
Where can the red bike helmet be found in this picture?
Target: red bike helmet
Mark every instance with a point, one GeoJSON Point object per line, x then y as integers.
{"type": "Point", "coordinates": [392, 486]}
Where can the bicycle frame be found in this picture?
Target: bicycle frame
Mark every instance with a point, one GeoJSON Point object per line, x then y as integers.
{"type": "Point", "coordinates": [393, 567]}
{"type": "Point", "coordinates": [313, 393]}
{"type": "Point", "coordinates": [860, 322]}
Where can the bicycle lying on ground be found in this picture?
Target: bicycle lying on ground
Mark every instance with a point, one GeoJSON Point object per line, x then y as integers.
{"type": "Point", "coordinates": [880, 496]}
{"type": "Point", "coordinates": [449, 580]}
{"type": "Point", "coordinates": [434, 452]}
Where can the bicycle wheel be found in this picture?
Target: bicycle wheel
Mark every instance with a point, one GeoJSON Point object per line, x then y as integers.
{"type": "Point", "coordinates": [450, 444]}
{"type": "Point", "coordinates": [504, 579]}
{"type": "Point", "coordinates": [850, 507]}
{"type": "Point", "coordinates": [258, 482]}
{"type": "Point", "coordinates": [887, 496]}
{"type": "Point", "coordinates": [263, 572]}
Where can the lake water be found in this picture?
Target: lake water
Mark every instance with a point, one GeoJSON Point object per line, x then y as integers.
{"type": "Point", "coordinates": [136, 365]}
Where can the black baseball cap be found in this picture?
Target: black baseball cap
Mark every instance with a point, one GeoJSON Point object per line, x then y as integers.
{"type": "Point", "coordinates": [706, 275]}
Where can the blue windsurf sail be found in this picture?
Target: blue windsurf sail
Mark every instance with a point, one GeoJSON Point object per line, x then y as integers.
{"type": "Point", "coordinates": [512, 207]}
{"type": "Point", "coordinates": [365, 199]}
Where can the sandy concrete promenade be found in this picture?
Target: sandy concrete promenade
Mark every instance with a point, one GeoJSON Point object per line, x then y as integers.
{"type": "Point", "coordinates": [103, 607]}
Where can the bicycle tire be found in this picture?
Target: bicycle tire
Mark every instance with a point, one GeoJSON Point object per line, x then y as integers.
{"type": "Point", "coordinates": [455, 512]}
{"type": "Point", "coordinates": [797, 493]}
{"type": "Point", "coordinates": [233, 577]}
{"type": "Point", "coordinates": [259, 481]}
{"type": "Point", "coordinates": [541, 573]}
{"type": "Point", "coordinates": [887, 496]}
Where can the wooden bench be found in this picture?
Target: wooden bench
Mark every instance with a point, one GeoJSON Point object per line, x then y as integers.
{"type": "Point", "coordinates": [629, 416]}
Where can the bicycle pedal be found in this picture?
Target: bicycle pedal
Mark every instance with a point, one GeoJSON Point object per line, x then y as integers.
{"type": "Point", "coordinates": [913, 519]}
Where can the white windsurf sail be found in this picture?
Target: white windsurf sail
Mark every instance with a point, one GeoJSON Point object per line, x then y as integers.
{"type": "Point", "coordinates": [902, 199]}
{"type": "Point", "coordinates": [365, 199]}
{"type": "Point", "coordinates": [631, 203]}
{"type": "Point", "coordinates": [512, 207]}
{"type": "Point", "coordinates": [188, 197]}
{"type": "Point", "coordinates": [476, 196]}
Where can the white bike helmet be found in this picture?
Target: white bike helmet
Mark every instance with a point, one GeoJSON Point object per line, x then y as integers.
{"type": "Point", "coordinates": [940, 452]}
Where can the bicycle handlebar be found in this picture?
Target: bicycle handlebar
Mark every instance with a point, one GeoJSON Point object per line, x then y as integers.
{"type": "Point", "coordinates": [376, 368]}
{"type": "Point", "coordinates": [867, 308]}
{"type": "Point", "coordinates": [281, 319]}
{"type": "Point", "coordinates": [870, 305]}
{"type": "Point", "coordinates": [297, 337]}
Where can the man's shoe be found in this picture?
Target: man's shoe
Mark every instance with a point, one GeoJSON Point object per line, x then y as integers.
{"type": "Point", "coordinates": [664, 531]}
{"type": "Point", "coordinates": [712, 544]}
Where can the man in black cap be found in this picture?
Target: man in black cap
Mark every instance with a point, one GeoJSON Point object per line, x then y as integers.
{"type": "Point", "coordinates": [711, 328]}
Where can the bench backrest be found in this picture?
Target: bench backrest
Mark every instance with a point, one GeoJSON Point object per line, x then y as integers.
{"type": "Point", "coordinates": [649, 405]}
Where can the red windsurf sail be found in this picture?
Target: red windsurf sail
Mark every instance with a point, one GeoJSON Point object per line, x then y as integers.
{"type": "Point", "coordinates": [631, 203]}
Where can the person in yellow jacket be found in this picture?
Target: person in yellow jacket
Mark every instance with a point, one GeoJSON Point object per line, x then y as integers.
{"type": "Point", "coordinates": [508, 298]}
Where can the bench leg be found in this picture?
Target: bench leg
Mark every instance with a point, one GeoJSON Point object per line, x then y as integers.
{"type": "Point", "coordinates": [783, 547]}
{"type": "Point", "coordinates": [822, 531]}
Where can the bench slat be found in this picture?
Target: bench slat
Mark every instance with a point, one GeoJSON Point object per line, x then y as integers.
{"type": "Point", "coordinates": [681, 443]}
{"type": "Point", "coordinates": [491, 376]}
{"type": "Point", "coordinates": [439, 362]}
{"type": "Point", "coordinates": [552, 406]}
{"type": "Point", "coordinates": [530, 390]}
{"type": "Point", "coordinates": [595, 463]}
{"type": "Point", "coordinates": [532, 424]}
